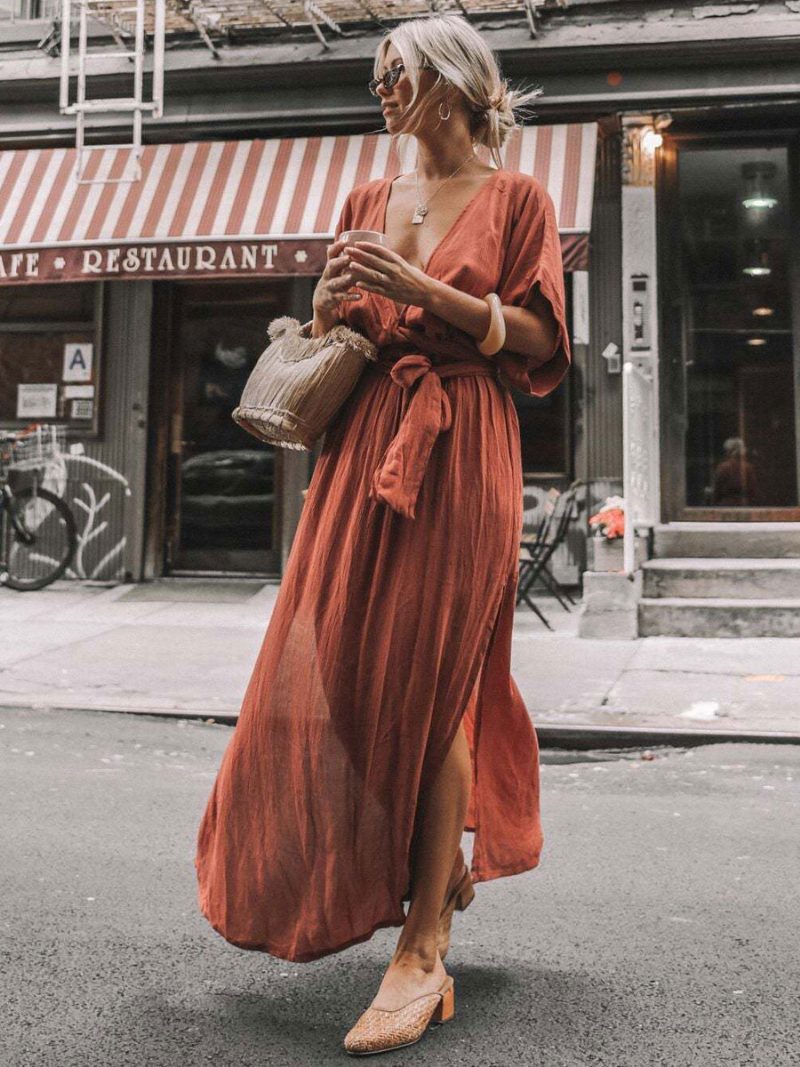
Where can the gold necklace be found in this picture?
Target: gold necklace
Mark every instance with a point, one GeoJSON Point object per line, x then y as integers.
{"type": "Point", "coordinates": [421, 210]}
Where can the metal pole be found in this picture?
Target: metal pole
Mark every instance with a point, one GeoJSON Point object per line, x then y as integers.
{"type": "Point", "coordinates": [158, 59]}
{"type": "Point", "coordinates": [138, 61]}
{"type": "Point", "coordinates": [138, 83]}
{"type": "Point", "coordinates": [66, 22]}
{"type": "Point", "coordinates": [627, 481]}
{"type": "Point", "coordinates": [80, 100]}
{"type": "Point", "coordinates": [82, 35]}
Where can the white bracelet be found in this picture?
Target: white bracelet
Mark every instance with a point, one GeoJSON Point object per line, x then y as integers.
{"type": "Point", "coordinates": [496, 335]}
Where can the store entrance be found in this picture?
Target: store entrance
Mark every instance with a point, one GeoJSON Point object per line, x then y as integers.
{"type": "Point", "coordinates": [223, 485]}
{"type": "Point", "coordinates": [728, 215]}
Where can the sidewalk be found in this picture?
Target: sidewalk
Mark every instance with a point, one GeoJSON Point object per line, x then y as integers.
{"type": "Point", "coordinates": [186, 647]}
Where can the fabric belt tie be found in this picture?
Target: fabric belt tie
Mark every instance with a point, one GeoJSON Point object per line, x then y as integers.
{"type": "Point", "coordinates": [427, 413]}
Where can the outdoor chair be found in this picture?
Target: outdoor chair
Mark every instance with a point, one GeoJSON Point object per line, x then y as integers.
{"type": "Point", "coordinates": [537, 549]}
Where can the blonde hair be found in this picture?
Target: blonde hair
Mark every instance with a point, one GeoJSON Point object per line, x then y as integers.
{"type": "Point", "coordinates": [462, 59]}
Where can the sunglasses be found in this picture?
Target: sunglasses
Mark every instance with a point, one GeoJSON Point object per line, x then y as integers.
{"type": "Point", "coordinates": [390, 78]}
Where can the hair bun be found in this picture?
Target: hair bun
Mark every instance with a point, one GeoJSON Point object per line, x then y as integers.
{"type": "Point", "coordinates": [503, 102]}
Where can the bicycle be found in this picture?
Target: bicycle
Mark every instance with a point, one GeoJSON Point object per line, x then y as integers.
{"type": "Point", "coordinates": [38, 533]}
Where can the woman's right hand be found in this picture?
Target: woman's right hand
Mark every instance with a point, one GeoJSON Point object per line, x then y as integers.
{"type": "Point", "coordinates": [332, 288]}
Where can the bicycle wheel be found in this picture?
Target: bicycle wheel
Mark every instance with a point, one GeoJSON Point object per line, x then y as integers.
{"type": "Point", "coordinates": [40, 539]}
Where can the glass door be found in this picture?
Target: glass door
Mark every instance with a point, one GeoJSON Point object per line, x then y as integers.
{"type": "Point", "coordinates": [728, 221]}
{"type": "Point", "coordinates": [223, 492]}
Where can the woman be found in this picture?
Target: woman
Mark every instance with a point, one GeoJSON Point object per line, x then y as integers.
{"type": "Point", "coordinates": [381, 719]}
{"type": "Point", "coordinates": [735, 483]}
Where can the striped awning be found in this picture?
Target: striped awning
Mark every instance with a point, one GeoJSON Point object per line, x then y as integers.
{"type": "Point", "coordinates": [228, 208]}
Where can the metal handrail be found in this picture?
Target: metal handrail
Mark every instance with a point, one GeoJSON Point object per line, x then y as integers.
{"type": "Point", "coordinates": [638, 429]}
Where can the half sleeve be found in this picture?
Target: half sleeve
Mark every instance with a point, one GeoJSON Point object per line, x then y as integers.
{"type": "Point", "coordinates": [345, 216]}
{"type": "Point", "coordinates": [533, 264]}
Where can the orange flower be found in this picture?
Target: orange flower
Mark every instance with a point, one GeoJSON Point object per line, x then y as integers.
{"type": "Point", "coordinates": [611, 521]}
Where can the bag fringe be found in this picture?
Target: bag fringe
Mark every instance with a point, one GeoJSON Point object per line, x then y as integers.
{"type": "Point", "coordinates": [301, 345]}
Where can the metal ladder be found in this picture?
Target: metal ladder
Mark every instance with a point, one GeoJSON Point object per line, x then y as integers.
{"type": "Point", "coordinates": [123, 18]}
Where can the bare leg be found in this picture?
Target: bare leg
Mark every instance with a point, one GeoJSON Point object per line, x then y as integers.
{"type": "Point", "coordinates": [416, 967]}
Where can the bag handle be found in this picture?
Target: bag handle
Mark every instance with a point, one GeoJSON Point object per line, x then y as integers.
{"type": "Point", "coordinates": [296, 342]}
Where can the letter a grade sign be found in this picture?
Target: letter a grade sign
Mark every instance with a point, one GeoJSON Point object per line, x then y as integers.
{"type": "Point", "coordinates": [77, 363]}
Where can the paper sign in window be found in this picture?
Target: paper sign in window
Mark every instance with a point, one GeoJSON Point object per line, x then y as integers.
{"type": "Point", "coordinates": [81, 409]}
{"type": "Point", "coordinates": [36, 400]}
{"type": "Point", "coordinates": [77, 362]}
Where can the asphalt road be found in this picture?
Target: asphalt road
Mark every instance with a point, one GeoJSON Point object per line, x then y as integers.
{"type": "Point", "coordinates": [660, 928]}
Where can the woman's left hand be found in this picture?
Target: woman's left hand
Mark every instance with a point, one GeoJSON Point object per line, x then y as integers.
{"type": "Point", "coordinates": [380, 270]}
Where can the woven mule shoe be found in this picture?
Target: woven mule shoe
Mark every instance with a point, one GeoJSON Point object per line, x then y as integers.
{"type": "Point", "coordinates": [379, 1029]}
{"type": "Point", "coordinates": [461, 895]}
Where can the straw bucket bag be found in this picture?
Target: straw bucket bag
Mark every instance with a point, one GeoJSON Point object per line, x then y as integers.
{"type": "Point", "coordinates": [300, 382]}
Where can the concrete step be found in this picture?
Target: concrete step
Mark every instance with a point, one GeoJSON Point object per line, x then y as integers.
{"type": "Point", "coordinates": [742, 578]}
{"type": "Point", "coordinates": [775, 540]}
{"type": "Point", "coordinates": [719, 617]}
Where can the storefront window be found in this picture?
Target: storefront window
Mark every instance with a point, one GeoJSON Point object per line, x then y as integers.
{"type": "Point", "coordinates": [49, 355]}
{"type": "Point", "coordinates": [545, 424]}
{"type": "Point", "coordinates": [738, 352]}
{"type": "Point", "coordinates": [224, 505]}
{"type": "Point", "coordinates": [544, 431]}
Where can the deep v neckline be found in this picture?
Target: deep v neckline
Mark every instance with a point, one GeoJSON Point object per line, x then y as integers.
{"type": "Point", "coordinates": [466, 208]}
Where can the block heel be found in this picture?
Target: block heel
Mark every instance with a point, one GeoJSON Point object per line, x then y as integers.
{"type": "Point", "coordinates": [447, 1005]}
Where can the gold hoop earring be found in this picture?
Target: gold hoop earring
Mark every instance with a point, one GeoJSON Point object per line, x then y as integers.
{"type": "Point", "coordinates": [444, 118]}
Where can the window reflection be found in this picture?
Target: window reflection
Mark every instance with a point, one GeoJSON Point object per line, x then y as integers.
{"type": "Point", "coordinates": [740, 418]}
{"type": "Point", "coordinates": [227, 479]}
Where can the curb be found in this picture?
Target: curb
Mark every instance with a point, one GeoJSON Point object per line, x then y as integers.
{"type": "Point", "coordinates": [223, 718]}
{"type": "Point", "coordinates": [578, 737]}
{"type": "Point", "coordinates": [575, 737]}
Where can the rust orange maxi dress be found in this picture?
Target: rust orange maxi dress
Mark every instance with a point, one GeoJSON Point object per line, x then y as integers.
{"type": "Point", "coordinates": [394, 616]}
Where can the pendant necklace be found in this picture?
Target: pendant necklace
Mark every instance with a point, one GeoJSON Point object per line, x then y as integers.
{"type": "Point", "coordinates": [421, 210]}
